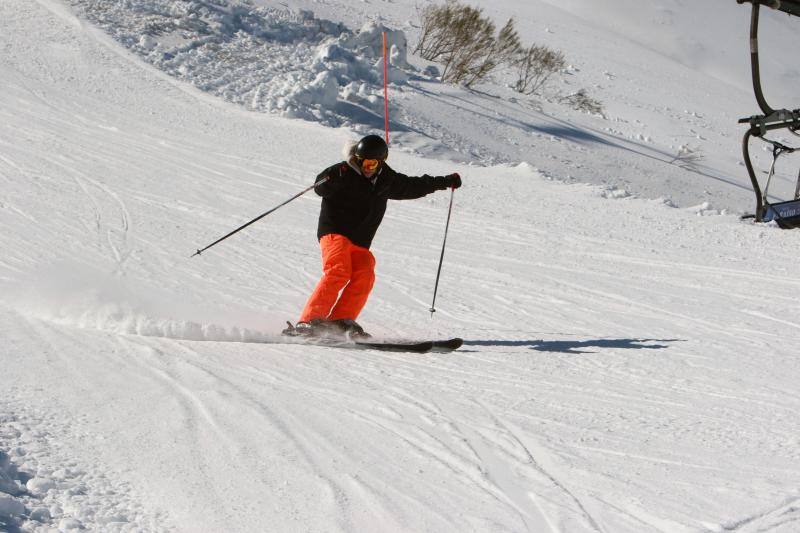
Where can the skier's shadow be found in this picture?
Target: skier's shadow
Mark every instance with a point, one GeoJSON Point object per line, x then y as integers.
{"type": "Point", "coordinates": [581, 347]}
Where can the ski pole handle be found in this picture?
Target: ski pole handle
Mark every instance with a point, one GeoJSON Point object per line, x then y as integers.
{"type": "Point", "coordinates": [240, 228]}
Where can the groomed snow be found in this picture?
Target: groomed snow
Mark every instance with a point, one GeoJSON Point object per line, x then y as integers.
{"type": "Point", "coordinates": [630, 359]}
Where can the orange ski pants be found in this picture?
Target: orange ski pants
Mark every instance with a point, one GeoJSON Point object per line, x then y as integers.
{"type": "Point", "coordinates": [347, 269]}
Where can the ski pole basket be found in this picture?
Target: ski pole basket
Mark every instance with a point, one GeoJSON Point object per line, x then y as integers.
{"type": "Point", "coordinates": [785, 214]}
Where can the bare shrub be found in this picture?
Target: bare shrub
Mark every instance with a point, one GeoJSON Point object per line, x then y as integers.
{"type": "Point", "coordinates": [581, 101]}
{"type": "Point", "coordinates": [535, 66]}
{"type": "Point", "coordinates": [461, 39]}
{"type": "Point", "coordinates": [478, 67]}
{"type": "Point", "coordinates": [436, 41]}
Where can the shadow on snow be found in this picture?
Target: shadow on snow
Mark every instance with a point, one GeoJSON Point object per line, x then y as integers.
{"type": "Point", "coordinates": [543, 123]}
{"type": "Point", "coordinates": [579, 347]}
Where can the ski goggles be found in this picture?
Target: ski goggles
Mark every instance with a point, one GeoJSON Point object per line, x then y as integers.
{"type": "Point", "coordinates": [370, 165]}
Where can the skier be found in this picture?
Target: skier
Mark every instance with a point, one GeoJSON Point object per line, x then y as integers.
{"type": "Point", "coordinates": [354, 201]}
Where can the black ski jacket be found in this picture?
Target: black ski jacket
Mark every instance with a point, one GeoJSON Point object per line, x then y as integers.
{"type": "Point", "coordinates": [353, 205]}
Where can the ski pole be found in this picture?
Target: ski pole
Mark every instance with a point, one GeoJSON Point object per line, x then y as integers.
{"type": "Point", "coordinates": [259, 217]}
{"type": "Point", "coordinates": [441, 257]}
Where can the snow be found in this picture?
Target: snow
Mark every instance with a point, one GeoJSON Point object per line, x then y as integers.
{"type": "Point", "coordinates": [630, 358]}
{"type": "Point", "coordinates": [10, 506]}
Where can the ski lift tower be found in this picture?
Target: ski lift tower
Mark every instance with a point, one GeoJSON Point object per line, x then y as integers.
{"type": "Point", "coordinates": [785, 214]}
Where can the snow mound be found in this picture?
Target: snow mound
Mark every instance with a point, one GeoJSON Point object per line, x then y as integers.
{"type": "Point", "coordinates": [614, 193]}
{"type": "Point", "coordinates": [263, 58]}
{"type": "Point", "coordinates": [706, 209]}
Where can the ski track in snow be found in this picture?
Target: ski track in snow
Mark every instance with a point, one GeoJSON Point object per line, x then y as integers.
{"type": "Point", "coordinates": [628, 366]}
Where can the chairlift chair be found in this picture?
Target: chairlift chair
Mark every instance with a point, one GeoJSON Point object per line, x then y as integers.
{"type": "Point", "coordinates": [785, 214]}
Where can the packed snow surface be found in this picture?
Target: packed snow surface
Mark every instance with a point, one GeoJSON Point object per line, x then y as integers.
{"type": "Point", "coordinates": [630, 355]}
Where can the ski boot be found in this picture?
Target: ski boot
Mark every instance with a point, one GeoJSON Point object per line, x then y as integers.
{"type": "Point", "coordinates": [350, 329]}
{"type": "Point", "coordinates": [346, 328]}
{"type": "Point", "coordinates": [313, 328]}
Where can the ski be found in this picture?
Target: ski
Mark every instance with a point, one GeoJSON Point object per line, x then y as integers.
{"type": "Point", "coordinates": [413, 346]}
{"type": "Point", "coordinates": [448, 345]}
{"type": "Point", "coordinates": [416, 347]}
{"type": "Point", "coordinates": [368, 343]}
{"type": "Point", "coordinates": [439, 346]}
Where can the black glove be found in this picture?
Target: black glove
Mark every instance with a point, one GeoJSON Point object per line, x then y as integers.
{"type": "Point", "coordinates": [453, 180]}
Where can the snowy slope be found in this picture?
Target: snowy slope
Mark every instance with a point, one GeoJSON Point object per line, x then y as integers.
{"type": "Point", "coordinates": [671, 76]}
{"type": "Point", "coordinates": [628, 365]}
